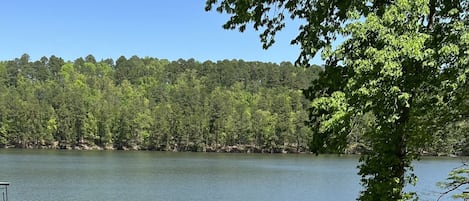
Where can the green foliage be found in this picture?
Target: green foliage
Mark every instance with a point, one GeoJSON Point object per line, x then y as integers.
{"type": "Point", "coordinates": [402, 62]}
{"type": "Point", "coordinates": [147, 103]}
{"type": "Point", "coordinates": [458, 179]}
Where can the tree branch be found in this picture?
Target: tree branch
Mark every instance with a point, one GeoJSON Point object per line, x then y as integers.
{"type": "Point", "coordinates": [451, 190]}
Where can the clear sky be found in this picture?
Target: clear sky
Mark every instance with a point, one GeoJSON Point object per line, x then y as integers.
{"type": "Point", "coordinates": [165, 29]}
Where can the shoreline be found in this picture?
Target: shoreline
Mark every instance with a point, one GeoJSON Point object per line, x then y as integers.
{"type": "Point", "coordinates": [187, 148]}
{"type": "Point", "coordinates": [241, 149]}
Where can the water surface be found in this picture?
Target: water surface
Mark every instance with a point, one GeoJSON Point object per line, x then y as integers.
{"type": "Point", "coordinates": [53, 175]}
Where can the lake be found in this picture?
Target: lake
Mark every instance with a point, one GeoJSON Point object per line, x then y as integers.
{"type": "Point", "coordinates": [56, 175]}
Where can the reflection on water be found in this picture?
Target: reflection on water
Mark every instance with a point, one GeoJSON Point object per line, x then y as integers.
{"type": "Point", "coordinates": [51, 175]}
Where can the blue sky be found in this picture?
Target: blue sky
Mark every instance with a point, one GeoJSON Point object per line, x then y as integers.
{"type": "Point", "coordinates": [166, 29]}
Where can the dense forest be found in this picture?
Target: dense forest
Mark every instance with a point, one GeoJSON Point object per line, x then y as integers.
{"type": "Point", "coordinates": [152, 104]}
{"type": "Point", "coordinates": [184, 105]}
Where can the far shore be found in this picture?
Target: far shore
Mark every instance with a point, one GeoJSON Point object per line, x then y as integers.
{"type": "Point", "coordinates": [352, 150]}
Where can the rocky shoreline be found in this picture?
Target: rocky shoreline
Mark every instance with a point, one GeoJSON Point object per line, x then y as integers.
{"type": "Point", "coordinates": [188, 148]}
{"type": "Point", "coordinates": [354, 149]}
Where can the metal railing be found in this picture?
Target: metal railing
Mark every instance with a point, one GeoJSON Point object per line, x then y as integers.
{"type": "Point", "coordinates": [4, 187]}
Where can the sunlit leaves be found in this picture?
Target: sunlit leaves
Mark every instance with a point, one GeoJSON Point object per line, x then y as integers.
{"type": "Point", "coordinates": [397, 57]}
{"type": "Point", "coordinates": [458, 179]}
{"type": "Point", "coordinates": [336, 108]}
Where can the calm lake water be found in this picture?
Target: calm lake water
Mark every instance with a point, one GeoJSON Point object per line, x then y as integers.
{"type": "Point", "coordinates": [52, 175]}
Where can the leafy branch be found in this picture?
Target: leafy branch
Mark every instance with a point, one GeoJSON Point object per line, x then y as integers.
{"type": "Point", "coordinates": [457, 179]}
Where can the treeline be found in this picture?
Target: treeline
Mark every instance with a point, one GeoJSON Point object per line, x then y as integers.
{"type": "Point", "coordinates": [184, 105]}
{"type": "Point", "coordinates": [153, 104]}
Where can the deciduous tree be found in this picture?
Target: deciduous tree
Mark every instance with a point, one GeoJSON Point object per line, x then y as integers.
{"type": "Point", "coordinates": [398, 59]}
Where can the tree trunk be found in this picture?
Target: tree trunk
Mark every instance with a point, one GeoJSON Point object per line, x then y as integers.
{"type": "Point", "coordinates": [383, 171]}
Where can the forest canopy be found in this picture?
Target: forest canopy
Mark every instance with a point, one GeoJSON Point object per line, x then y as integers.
{"type": "Point", "coordinates": [154, 104]}
{"type": "Point", "coordinates": [157, 104]}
